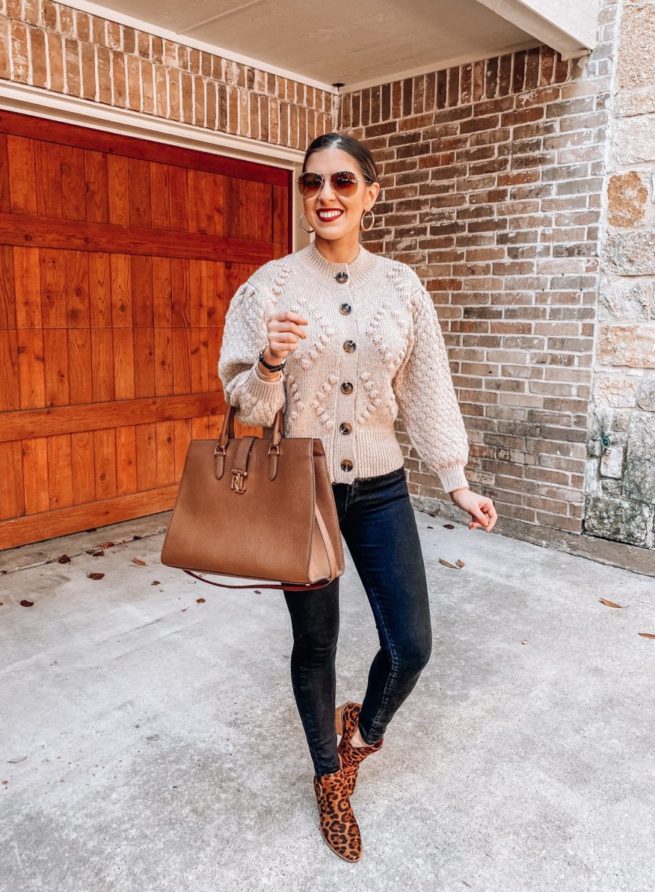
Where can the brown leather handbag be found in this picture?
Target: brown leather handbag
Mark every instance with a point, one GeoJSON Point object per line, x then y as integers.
{"type": "Point", "coordinates": [258, 508]}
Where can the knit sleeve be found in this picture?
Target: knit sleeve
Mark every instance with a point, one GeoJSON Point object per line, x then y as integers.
{"type": "Point", "coordinates": [426, 398]}
{"type": "Point", "coordinates": [245, 335]}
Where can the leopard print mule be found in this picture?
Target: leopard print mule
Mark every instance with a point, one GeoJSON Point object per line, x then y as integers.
{"type": "Point", "coordinates": [338, 823]}
{"type": "Point", "coordinates": [346, 718]}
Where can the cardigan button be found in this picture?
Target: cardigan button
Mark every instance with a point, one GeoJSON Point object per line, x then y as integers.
{"type": "Point", "coordinates": [344, 309]}
{"type": "Point", "coordinates": [346, 387]}
{"type": "Point", "coordinates": [346, 465]}
{"type": "Point", "coordinates": [349, 346]}
{"type": "Point", "coordinates": [345, 428]}
{"type": "Point", "coordinates": [341, 278]}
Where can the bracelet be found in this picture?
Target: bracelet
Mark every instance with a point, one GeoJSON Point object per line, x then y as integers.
{"type": "Point", "coordinates": [272, 368]}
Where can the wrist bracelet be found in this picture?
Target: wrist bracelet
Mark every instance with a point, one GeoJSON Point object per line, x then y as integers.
{"type": "Point", "coordinates": [272, 368]}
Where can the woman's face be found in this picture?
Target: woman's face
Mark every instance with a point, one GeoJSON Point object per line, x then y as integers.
{"type": "Point", "coordinates": [320, 208]}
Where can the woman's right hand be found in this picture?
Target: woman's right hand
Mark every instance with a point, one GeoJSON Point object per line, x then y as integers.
{"type": "Point", "coordinates": [284, 329]}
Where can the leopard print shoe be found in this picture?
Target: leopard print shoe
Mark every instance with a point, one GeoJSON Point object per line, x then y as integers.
{"type": "Point", "coordinates": [338, 823]}
{"type": "Point", "coordinates": [346, 719]}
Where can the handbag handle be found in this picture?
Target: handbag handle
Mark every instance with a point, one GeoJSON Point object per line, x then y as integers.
{"type": "Point", "coordinates": [227, 431]}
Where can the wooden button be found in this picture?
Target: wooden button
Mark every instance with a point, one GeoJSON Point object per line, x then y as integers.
{"type": "Point", "coordinates": [349, 346]}
{"type": "Point", "coordinates": [346, 465]}
{"type": "Point", "coordinates": [345, 428]}
{"type": "Point", "coordinates": [346, 387]}
{"type": "Point", "coordinates": [344, 309]}
{"type": "Point", "coordinates": [341, 278]}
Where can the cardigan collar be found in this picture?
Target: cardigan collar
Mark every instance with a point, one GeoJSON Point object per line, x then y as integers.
{"type": "Point", "coordinates": [356, 271]}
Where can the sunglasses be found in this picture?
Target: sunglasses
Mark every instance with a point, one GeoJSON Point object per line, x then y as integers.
{"type": "Point", "coordinates": [344, 182]}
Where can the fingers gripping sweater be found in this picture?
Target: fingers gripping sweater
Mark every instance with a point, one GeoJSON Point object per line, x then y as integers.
{"type": "Point", "coordinates": [374, 348]}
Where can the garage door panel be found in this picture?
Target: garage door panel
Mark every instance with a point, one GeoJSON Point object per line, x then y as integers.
{"type": "Point", "coordinates": [111, 319]}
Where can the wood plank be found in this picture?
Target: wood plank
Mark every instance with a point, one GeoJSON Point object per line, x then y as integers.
{"type": "Point", "coordinates": [83, 467]}
{"type": "Point", "coordinates": [47, 164]}
{"type": "Point", "coordinates": [77, 289]}
{"type": "Point", "coordinates": [165, 446]}
{"type": "Point", "coordinates": [104, 449]}
{"type": "Point", "coordinates": [146, 456]}
{"type": "Point", "coordinates": [137, 147]}
{"type": "Point", "coordinates": [36, 528]}
{"type": "Point", "coordinates": [55, 352]}
{"type": "Point", "coordinates": [100, 290]}
{"type": "Point", "coordinates": [22, 175]}
{"type": "Point", "coordinates": [121, 290]}
{"type": "Point", "coordinates": [216, 190]}
{"type": "Point", "coordinates": [17, 229]}
{"type": "Point", "coordinates": [180, 294]}
{"type": "Point", "coordinates": [27, 283]}
{"type": "Point", "coordinates": [181, 360]}
{"type": "Point", "coordinates": [126, 459]}
{"type": "Point", "coordinates": [117, 186]}
{"type": "Point", "coordinates": [31, 375]}
{"type": "Point", "coordinates": [5, 197]}
{"type": "Point", "coordinates": [35, 475]}
{"type": "Point", "coordinates": [60, 471]}
{"type": "Point", "coordinates": [141, 288]}
{"type": "Point", "coordinates": [102, 365]}
{"type": "Point", "coordinates": [123, 363]}
{"type": "Point", "coordinates": [161, 292]}
{"type": "Point", "coordinates": [73, 183]}
{"type": "Point", "coordinates": [164, 362]}
{"type": "Point", "coordinates": [138, 192]}
{"type": "Point", "coordinates": [144, 362]}
{"type": "Point", "coordinates": [179, 200]}
{"type": "Point", "coordinates": [215, 293]}
{"type": "Point", "coordinates": [182, 439]}
{"type": "Point", "coordinates": [160, 189]}
{"type": "Point", "coordinates": [198, 292]}
{"type": "Point", "coordinates": [9, 394]}
{"type": "Point", "coordinates": [281, 217]}
{"type": "Point", "coordinates": [214, 340]}
{"type": "Point", "coordinates": [12, 497]}
{"type": "Point", "coordinates": [53, 288]}
{"type": "Point", "coordinates": [97, 190]}
{"type": "Point", "coordinates": [23, 425]}
{"type": "Point", "coordinates": [7, 290]}
{"type": "Point", "coordinates": [80, 367]}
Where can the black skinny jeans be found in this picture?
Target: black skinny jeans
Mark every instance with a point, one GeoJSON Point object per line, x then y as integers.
{"type": "Point", "coordinates": [378, 524]}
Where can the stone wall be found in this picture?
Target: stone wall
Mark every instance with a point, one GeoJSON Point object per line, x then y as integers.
{"type": "Point", "coordinates": [493, 178]}
{"type": "Point", "coordinates": [53, 46]}
{"type": "Point", "coordinates": [621, 467]}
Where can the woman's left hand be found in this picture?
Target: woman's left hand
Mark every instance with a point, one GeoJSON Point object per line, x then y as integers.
{"type": "Point", "coordinates": [479, 507]}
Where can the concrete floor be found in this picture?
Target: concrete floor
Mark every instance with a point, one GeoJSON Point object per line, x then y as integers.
{"type": "Point", "coordinates": [151, 742]}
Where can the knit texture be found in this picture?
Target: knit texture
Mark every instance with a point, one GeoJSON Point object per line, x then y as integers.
{"type": "Point", "coordinates": [376, 330]}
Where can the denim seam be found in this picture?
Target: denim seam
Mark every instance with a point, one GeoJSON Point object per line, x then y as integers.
{"type": "Point", "coordinates": [393, 672]}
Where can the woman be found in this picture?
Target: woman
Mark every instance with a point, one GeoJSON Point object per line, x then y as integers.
{"type": "Point", "coordinates": [343, 340]}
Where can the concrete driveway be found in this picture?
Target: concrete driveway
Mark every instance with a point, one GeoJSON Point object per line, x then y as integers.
{"type": "Point", "coordinates": [150, 740]}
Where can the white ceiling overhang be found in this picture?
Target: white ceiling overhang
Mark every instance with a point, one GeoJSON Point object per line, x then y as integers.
{"type": "Point", "coordinates": [356, 44]}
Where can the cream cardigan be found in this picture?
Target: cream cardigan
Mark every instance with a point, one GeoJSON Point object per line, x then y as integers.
{"type": "Point", "coordinates": [374, 348]}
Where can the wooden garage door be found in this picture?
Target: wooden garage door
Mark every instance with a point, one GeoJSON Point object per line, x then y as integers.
{"type": "Point", "coordinates": [118, 258]}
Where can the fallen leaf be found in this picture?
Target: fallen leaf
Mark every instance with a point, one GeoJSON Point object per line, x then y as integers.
{"type": "Point", "coordinates": [155, 582]}
{"type": "Point", "coordinates": [64, 559]}
{"type": "Point", "coordinates": [608, 603]}
{"type": "Point", "coordinates": [447, 564]}
{"type": "Point", "coordinates": [106, 545]}
{"type": "Point", "coordinates": [200, 600]}
{"type": "Point", "coordinates": [136, 538]}
{"type": "Point", "coordinates": [96, 553]}
{"type": "Point", "coordinates": [449, 526]}
{"type": "Point", "coordinates": [95, 575]}
{"type": "Point", "coordinates": [646, 634]}
{"type": "Point", "coordinates": [138, 562]}
{"type": "Point", "coordinates": [460, 563]}
{"type": "Point", "coordinates": [25, 603]}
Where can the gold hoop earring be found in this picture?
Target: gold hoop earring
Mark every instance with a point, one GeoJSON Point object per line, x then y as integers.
{"type": "Point", "coordinates": [302, 227]}
{"type": "Point", "coordinates": [367, 228]}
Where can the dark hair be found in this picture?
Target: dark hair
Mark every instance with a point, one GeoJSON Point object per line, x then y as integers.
{"type": "Point", "coordinates": [349, 144]}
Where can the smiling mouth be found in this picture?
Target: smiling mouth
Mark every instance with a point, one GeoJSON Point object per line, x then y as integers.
{"type": "Point", "coordinates": [326, 216]}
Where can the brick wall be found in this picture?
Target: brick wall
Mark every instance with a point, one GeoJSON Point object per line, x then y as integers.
{"type": "Point", "coordinates": [492, 179]}
{"type": "Point", "coordinates": [53, 46]}
{"type": "Point", "coordinates": [621, 468]}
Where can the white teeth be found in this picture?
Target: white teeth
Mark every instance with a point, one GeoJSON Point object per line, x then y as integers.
{"type": "Point", "coordinates": [329, 214]}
